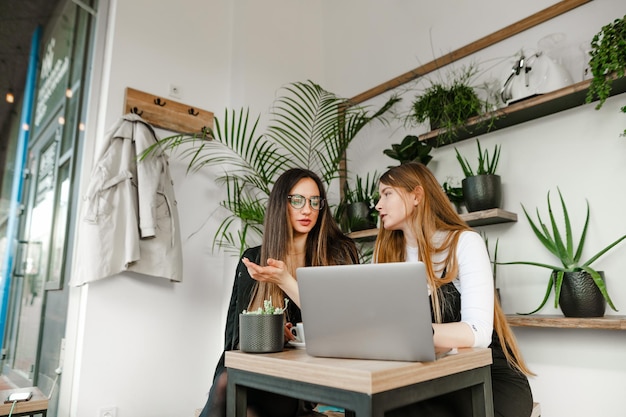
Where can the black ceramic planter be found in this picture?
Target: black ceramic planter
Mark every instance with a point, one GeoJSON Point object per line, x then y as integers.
{"type": "Point", "coordinates": [359, 217]}
{"type": "Point", "coordinates": [580, 296]}
{"type": "Point", "coordinates": [482, 192]}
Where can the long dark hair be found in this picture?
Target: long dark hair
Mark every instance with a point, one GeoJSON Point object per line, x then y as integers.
{"type": "Point", "coordinates": [326, 244]}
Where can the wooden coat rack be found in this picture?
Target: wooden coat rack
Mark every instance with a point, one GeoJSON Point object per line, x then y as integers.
{"type": "Point", "coordinates": [167, 114]}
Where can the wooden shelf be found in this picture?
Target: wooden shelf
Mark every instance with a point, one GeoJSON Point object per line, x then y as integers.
{"type": "Point", "coordinates": [609, 322]}
{"type": "Point", "coordinates": [476, 218]}
{"type": "Point", "coordinates": [486, 217]}
{"type": "Point", "coordinates": [362, 234]}
{"type": "Point", "coordinates": [522, 111]}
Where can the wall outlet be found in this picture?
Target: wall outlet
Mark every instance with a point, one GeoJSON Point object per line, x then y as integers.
{"type": "Point", "coordinates": [108, 412]}
{"type": "Point", "coordinates": [175, 91]}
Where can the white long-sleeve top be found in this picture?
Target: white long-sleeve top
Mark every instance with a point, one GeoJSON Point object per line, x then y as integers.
{"type": "Point", "coordinates": [474, 282]}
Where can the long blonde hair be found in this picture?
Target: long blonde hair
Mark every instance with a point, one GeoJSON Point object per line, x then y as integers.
{"type": "Point", "coordinates": [434, 214]}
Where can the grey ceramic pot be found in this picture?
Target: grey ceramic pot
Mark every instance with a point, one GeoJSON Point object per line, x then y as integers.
{"type": "Point", "coordinates": [482, 192]}
{"type": "Point", "coordinates": [580, 296]}
{"type": "Point", "coordinates": [261, 333]}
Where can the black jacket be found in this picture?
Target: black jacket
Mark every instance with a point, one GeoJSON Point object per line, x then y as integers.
{"type": "Point", "coordinates": [239, 300]}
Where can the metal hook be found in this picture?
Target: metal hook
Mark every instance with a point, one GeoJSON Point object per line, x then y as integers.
{"type": "Point", "coordinates": [192, 112]}
{"type": "Point", "coordinates": [158, 102]}
{"type": "Point", "coordinates": [136, 111]}
{"type": "Point", "coordinates": [205, 131]}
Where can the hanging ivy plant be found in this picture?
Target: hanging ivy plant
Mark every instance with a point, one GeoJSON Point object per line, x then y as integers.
{"type": "Point", "coordinates": [608, 59]}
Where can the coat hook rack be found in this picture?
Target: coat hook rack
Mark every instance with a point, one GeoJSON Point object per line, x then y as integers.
{"type": "Point", "coordinates": [175, 117]}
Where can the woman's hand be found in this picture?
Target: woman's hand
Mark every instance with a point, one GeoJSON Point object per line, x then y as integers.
{"type": "Point", "coordinates": [288, 335]}
{"type": "Point", "coordinates": [276, 273]}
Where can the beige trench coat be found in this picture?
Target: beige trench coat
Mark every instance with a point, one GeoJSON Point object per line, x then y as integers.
{"type": "Point", "coordinates": [130, 219]}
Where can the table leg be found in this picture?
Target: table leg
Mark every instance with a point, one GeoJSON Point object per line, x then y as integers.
{"type": "Point", "coordinates": [237, 398]}
{"type": "Point", "coordinates": [364, 408]}
{"type": "Point", "coordinates": [482, 396]}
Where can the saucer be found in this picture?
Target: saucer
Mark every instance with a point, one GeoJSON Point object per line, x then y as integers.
{"type": "Point", "coordinates": [297, 345]}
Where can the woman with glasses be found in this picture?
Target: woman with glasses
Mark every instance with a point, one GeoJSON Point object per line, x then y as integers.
{"type": "Point", "coordinates": [299, 230]}
{"type": "Point", "coordinates": [419, 224]}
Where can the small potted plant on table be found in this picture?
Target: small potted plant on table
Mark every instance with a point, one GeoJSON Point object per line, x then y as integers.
{"type": "Point", "coordinates": [261, 330]}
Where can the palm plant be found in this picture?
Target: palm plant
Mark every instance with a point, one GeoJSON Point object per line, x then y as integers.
{"type": "Point", "coordinates": [568, 254]}
{"type": "Point", "coordinates": [309, 128]}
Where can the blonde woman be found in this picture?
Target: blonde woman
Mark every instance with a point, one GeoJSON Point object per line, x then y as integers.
{"type": "Point", "coordinates": [299, 230]}
{"type": "Point", "coordinates": [419, 224]}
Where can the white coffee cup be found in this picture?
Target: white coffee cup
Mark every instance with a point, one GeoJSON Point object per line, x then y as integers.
{"type": "Point", "coordinates": [298, 332]}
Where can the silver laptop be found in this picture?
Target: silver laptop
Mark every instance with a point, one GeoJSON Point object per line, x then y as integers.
{"type": "Point", "coordinates": [367, 311]}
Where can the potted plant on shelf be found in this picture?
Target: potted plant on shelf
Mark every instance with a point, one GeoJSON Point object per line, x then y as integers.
{"type": "Point", "coordinates": [482, 190]}
{"type": "Point", "coordinates": [448, 105]}
{"type": "Point", "coordinates": [579, 289]}
{"type": "Point", "coordinates": [608, 59]}
{"type": "Point", "coordinates": [359, 201]}
{"type": "Point", "coordinates": [455, 195]}
{"type": "Point", "coordinates": [411, 149]}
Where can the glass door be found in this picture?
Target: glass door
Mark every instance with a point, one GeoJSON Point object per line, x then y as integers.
{"type": "Point", "coordinates": [36, 253]}
{"type": "Point", "coordinates": [38, 299]}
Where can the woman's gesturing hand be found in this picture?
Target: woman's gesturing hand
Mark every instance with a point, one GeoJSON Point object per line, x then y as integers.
{"type": "Point", "coordinates": [275, 272]}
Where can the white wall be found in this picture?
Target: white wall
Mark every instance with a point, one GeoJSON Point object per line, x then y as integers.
{"type": "Point", "coordinates": [149, 347]}
{"type": "Point", "coordinates": [141, 344]}
{"type": "Point", "coordinates": [144, 344]}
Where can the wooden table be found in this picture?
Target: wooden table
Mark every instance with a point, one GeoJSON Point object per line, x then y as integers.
{"type": "Point", "coordinates": [365, 387]}
{"type": "Point", "coordinates": [37, 405]}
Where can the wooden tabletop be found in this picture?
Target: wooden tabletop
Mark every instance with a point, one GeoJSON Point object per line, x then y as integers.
{"type": "Point", "coordinates": [36, 404]}
{"type": "Point", "coordinates": [366, 376]}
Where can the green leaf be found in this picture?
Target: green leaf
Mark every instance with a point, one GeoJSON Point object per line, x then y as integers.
{"type": "Point", "coordinates": [485, 164]}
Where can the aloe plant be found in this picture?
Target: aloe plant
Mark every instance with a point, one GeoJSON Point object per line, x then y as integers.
{"type": "Point", "coordinates": [309, 128]}
{"type": "Point", "coordinates": [485, 164]}
{"type": "Point", "coordinates": [561, 244]}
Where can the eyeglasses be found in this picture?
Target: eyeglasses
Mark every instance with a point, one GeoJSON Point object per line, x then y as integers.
{"type": "Point", "coordinates": [298, 201]}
